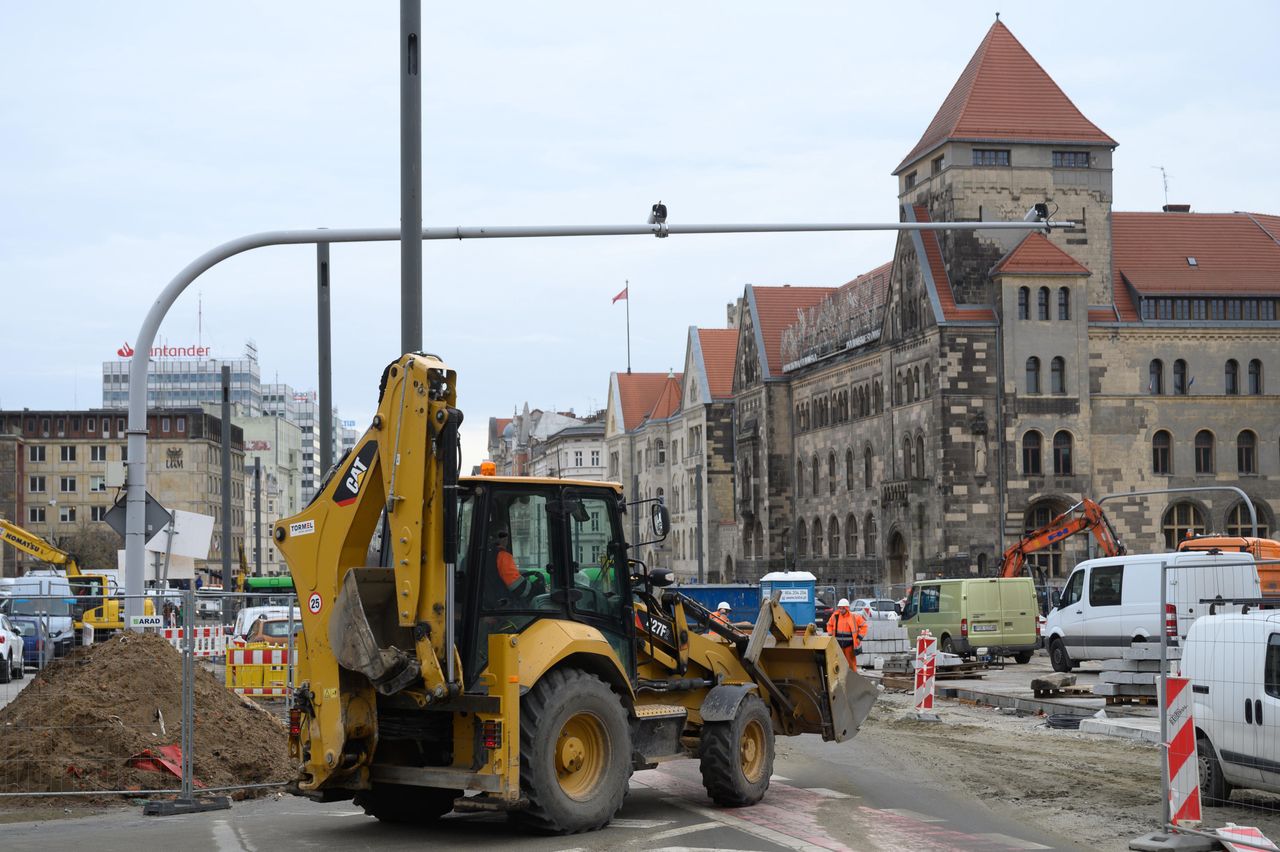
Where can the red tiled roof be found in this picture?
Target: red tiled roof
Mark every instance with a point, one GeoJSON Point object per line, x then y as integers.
{"type": "Point", "coordinates": [1234, 253]}
{"type": "Point", "coordinates": [668, 401]}
{"type": "Point", "coordinates": [951, 312]}
{"type": "Point", "coordinates": [719, 353]}
{"type": "Point", "coordinates": [874, 285]}
{"type": "Point", "coordinates": [1102, 315]}
{"type": "Point", "coordinates": [1270, 224]}
{"type": "Point", "coordinates": [1035, 255]}
{"type": "Point", "coordinates": [777, 308]}
{"type": "Point", "coordinates": [639, 392]}
{"type": "Point", "coordinates": [1004, 94]}
{"type": "Point", "coordinates": [501, 423]}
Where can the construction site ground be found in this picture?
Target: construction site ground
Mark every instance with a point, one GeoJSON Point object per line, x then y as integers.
{"type": "Point", "coordinates": [981, 779]}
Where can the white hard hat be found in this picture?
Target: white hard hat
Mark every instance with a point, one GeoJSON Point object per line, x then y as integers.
{"type": "Point", "coordinates": [844, 602]}
{"type": "Point", "coordinates": [724, 605]}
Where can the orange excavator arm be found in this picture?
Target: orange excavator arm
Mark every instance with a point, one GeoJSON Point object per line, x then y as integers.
{"type": "Point", "coordinates": [1085, 516]}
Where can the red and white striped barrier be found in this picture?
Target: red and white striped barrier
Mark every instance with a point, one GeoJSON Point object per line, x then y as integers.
{"type": "Point", "coordinates": [260, 656]}
{"type": "Point", "coordinates": [926, 662]}
{"type": "Point", "coordinates": [1244, 838]}
{"type": "Point", "coordinates": [1183, 765]}
{"type": "Point", "coordinates": [265, 691]}
{"type": "Point", "coordinates": [208, 641]}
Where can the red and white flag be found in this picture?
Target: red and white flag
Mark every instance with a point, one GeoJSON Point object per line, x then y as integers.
{"type": "Point", "coordinates": [621, 295]}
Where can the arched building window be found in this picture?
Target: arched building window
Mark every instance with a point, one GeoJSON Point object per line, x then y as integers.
{"type": "Point", "coordinates": [1162, 453]}
{"type": "Point", "coordinates": [850, 536]}
{"type": "Point", "coordinates": [866, 466]}
{"type": "Point", "coordinates": [833, 537]}
{"type": "Point", "coordinates": [802, 540]}
{"type": "Point", "coordinates": [813, 477]}
{"type": "Point", "coordinates": [1031, 446]}
{"type": "Point", "coordinates": [1231, 377]}
{"type": "Point", "coordinates": [1024, 303]}
{"type": "Point", "coordinates": [1042, 304]}
{"type": "Point", "coordinates": [869, 535]}
{"type": "Point", "coordinates": [848, 469]}
{"type": "Point", "coordinates": [906, 456]}
{"type": "Point", "coordinates": [1204, 451]}
{"type": "Point", "coordinates": [1033, 375]}
{"type": "Point", "coordinates": [1062, 445]}
{"type": "Point", "coordinates": [1064, 303]}
{"type": "Point", "coordinates": [1239, 523]}
{"type": "Point", "coordinates": [1155, 377]}
{"type": "Point", "coordinates": [1179, 377]}
{"type": "Point", "coordinates": [800, 478]}
{"type": "Point", "coordinates": [831, 472]}
{"type": "Point", "coordinates": [919, 455]}
{"type": "Point", "coordinates": [1255, 377]}
{"type": "Point", "coordinates": [1180, 519]}
{"type": "Point", "coordinates": [1058, 375]}
{"type": "Point", "coordinates": [1246, 453]}
{"type": "Point", "coordinates": [816, 538]}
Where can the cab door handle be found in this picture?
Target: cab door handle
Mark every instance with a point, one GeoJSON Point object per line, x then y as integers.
{"type": "Point", "coordinates": [1248, 712]}
{"type": "Point", "coordinates": [1257, 710]}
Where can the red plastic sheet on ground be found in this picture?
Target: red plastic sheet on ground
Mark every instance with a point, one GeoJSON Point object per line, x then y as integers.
{"type": "Point", "coordinates": [168, 760]}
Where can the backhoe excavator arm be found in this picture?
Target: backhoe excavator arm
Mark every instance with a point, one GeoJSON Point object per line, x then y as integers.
{"type": "Point", "coordinates": [1091, 518]}
{"type": "Point", "coordinates": [394, 625]}
{"type": "Point", "coordinates": [32, 544]}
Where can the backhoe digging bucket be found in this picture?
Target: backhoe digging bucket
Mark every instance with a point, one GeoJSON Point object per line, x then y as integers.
{"type": "Point", "coordinates": [851, 697]}
{"type": "Point", "coordinates": [364, 631]}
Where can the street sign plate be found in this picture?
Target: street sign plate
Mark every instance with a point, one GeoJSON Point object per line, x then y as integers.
{"type": "Point", "coordinates": [156, 518]}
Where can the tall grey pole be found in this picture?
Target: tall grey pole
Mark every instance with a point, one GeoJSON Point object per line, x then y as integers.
{"type": "Point", "coordinates": [257, 516]}
{"type": "Point", "coordinates": [326, 357]}
{"type": "Point", "coordinates": [702, 574]}
{"type": "Point", "coordinates": [410, 179]}
{"type": "Point", "coordinates": [135, 537]}
{"type": "Point", "coordinates": [226, 470]}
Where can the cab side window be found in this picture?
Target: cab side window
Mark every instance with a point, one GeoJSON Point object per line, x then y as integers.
{"type": "Point", "coordinates": [1104, 585]}
{"type": "Point", "coordinates": [929, 597]}
{"type": "Point", "coordinates": [1071, 594]}
{"type": "Point", "coordinates": [597, 582]}
{"type": "Point", "coordinates": [1271, 678]}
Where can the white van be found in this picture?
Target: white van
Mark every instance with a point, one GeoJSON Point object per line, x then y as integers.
{"type": "Point", "coordinates": [44, 594]}
{"type": "Point", "coordinates": [1110, 603]}
{"type": "Point", "coordinates": [1233, 663]}
{"type": "Point", "coordinates": [247, 616]}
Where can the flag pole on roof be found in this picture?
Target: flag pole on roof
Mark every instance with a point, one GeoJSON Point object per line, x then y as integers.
{"type": "Point", "coordinates": [625, 296]}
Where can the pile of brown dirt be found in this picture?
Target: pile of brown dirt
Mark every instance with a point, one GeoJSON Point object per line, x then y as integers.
{"type": "Point", "coordinates": [76, 725]}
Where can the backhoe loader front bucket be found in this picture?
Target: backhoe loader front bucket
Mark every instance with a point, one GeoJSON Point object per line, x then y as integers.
{"type": "Point", "coordinates": [365, 634]}
{"type": "Point", "coordinates": [851, 696]}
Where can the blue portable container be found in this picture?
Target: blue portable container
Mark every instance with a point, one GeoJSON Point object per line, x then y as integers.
{"type": "Point", "coordinates": [743, 598]}
{"type": "Point", "coordinates": [796, 590]}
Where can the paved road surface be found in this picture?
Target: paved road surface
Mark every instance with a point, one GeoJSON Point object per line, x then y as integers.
{"type": "Point", "coordinates": [824, 797]}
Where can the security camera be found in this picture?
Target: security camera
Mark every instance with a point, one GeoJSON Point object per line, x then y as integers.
{"type": "Point", "coordinates": [1037, 213]}
{"type": "Point", "coordinates": [658, 214]}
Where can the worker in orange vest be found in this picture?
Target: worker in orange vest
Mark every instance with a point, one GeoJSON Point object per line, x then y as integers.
{"type": "Point", "coordinates": [848, 628]}
{"type": "Point", "coordinates": [722, 613]}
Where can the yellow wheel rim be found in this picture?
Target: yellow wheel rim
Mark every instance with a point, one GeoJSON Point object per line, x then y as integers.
{"type": "Point", "coordinates": [751, 751]}
{"type": "Point", "coordinates": [580, 756]}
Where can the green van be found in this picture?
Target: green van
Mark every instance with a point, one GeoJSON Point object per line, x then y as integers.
{"type": "Point", "coordinates": [997, 614]}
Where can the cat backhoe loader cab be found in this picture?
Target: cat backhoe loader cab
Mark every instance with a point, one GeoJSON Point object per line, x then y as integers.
{"type": "Point", "coordinates": [508, 654]}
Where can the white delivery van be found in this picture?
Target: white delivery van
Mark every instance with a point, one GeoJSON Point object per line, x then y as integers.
{"type": "Point", "coordinates": [44, 594]}
{"type": "Point", "coordinates": [1233, 663]}
{"type": "Point", "coordinates": [1110, 603]}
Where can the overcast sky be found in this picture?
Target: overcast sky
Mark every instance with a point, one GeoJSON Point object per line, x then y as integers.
{"type": "Point", "coordinates": [137, 135]}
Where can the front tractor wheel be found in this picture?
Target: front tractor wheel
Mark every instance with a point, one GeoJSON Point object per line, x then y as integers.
{"type": "Point", "coordinates": [737, 756]}
{"type": "Point", "coordinates": [575, 753]}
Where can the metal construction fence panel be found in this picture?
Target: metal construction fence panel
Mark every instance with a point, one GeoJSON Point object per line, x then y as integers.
{"type": "Point", "coordinates": [89, 720]}
{"type": "Point", "coordinates": [1226, 644]}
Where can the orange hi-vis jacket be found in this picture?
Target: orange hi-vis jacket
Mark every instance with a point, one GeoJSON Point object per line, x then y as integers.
{"type": "Point", "coordinates": [848, 628]}
{"type": "Point", "coordinates": [720, 617]}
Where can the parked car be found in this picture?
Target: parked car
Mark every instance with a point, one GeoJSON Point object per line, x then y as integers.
{"type": "Point", "coordinates": [1233, 663]}
{"type": "Point", "coordinates": [247, 616]}
{"type": "Point", "coordinates": [37, 650]}
{"type": "Point", "coordinates": [876, 608]}
{"type": "Point", "coordinates": [998, 614]}
{"type": "Point", "coordinates": [11, 651]}
{"type": "Point", "coordinates": [274, 631]}
{"type": "Point", "coordinates": [207, 607]}
{"type": "Point", "coordinates": [46, 595]}
{"type": "Point", "coordinates": [1112, 602]}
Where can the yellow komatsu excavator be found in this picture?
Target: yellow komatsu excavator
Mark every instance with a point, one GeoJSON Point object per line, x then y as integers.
{"type": "Point", "coordinates": [506, 653]}
{"type": "Point", "coordinates": [94, 605]}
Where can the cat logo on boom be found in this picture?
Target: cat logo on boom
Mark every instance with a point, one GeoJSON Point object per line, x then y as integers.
{"type": "Point", "coordinates": [349, 488]}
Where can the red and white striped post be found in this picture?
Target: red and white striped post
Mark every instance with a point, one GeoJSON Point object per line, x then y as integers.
{"type": "Point", "coordinates": [1182, 770]}
{"type": "Point", "coordinates": [926, 661]}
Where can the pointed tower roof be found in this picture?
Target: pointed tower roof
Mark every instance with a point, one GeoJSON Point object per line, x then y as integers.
{"type": "Point", "coordinates": [1035, 255]}
{"type": "Point", "coordinates": [1004, 95]}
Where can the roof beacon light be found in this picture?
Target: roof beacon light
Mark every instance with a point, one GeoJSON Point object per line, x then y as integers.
{"type": "Point", "coordinates": [488, 468]}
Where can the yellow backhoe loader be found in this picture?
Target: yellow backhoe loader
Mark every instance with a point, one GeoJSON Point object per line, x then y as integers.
{"type": "Point", "coordinates": [507, 654]}
{"type": "Point", "coordinates": [94, 605]}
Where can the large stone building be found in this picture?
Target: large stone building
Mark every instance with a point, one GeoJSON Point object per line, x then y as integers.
{"type": "Point", "coordinates": [920, 418]}
{"type": "Point", "coordinates": [62, 463]}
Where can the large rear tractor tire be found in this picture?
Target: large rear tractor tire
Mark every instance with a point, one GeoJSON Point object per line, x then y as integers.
{"type": "Point", "coordinates": [402, 803]}
{"type": "Point", "coordinates": [737, 756]}
{"type": "Point", "coordinates": [575, 753]}
{"type": "Point", "coordinates": [1059, 657]}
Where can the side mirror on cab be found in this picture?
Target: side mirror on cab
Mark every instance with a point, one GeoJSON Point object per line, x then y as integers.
{"type": "Point", "coordinates": [660, 520]}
